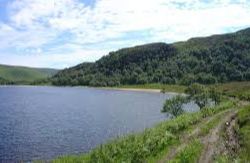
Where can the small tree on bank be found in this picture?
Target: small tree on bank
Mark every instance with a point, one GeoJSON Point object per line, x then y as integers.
{"type": "Point", "coordinates": [199, 94]}
{"type": "Point", "coordinates": [215, 95]}
{"type": "Point", "coordinates": [174, 105]}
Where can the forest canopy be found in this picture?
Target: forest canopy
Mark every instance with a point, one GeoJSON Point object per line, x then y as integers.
{"type": "Point", "coordinates": [208, 60]}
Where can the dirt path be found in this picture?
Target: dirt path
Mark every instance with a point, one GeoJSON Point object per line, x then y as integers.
{"type": "Point", "coordinates": [229, 141]}
{"type": "Point", "coordinates": [215, 144]}
{"type": "Point", "coordinates": [211, 141]}
{"type": "Point", "coordinates": [232, 141]}
{"type": "Point", "coordinates": [188, 136]}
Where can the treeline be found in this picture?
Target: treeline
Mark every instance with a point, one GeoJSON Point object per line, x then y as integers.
{"type": "Point", "coordinates": [5, 82]}
{"type": "Point", "coordinates": [23, 82]}
{"type": "Point", "coordinates": [215, 59]}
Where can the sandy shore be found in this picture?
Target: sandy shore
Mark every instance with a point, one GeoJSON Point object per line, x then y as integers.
{"type": "Point", "coordinates": [132, 89]}
{"type": "Point", "coordinates": [137, 90]}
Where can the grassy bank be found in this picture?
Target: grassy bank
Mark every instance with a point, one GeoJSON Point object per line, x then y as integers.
{"type": "Point", "coordinates": [150, 143]}
{"type": "Point", "coordinates": [240, 90]}
{"type": "Point", "coordinates": [244, 133]}
{"type": "Point", "coordinates": [190, 153]}
{"type": "Point", "coordinates": [242, 129]}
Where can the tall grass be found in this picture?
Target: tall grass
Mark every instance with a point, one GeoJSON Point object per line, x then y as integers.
{"type": "Point", "coordinates": [211, 124]}
{"type": "Point", "coordinates": [138, 147]}
{"type": "Point", "coordinates": [190, 153]}
{"type": "Point", "coordinates": [240, 90]}
{"type": "Point", "coordinates": [244, 133]}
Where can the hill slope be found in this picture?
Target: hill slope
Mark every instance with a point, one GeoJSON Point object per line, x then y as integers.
{"type": "Point", "coordinates": [24, 74]}
{"type": "Point", "coordinates": [218, 58]}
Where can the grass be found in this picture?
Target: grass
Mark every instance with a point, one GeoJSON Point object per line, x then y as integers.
{"type": "Point", "coordinates": [243, 130]}
{"type": "Point", "coordinates": [24, 74]}
{"type": "Point", "coordinates": [240, 90]}
{"type": "Point", "coordinates": [209, 125]}
{"type": "Point", "coordinates": [148, 144]}
{"type": "Point", "coordinates": [190, 153]}
{"type": "Point", "coordinates": [244, 133]}
{"type": "Point", "coordinates": [166, 87]}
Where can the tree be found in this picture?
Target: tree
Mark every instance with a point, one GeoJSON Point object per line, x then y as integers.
{"type": "Point", "coordinates": [204, 60]}
{"type": "Point", "coordinates": [204, 78]}
{"type": "Point", "coordinates": [215, 95]}
{"type": "Point", "coordinates": [199, 94]}
{"type": "Point", "coordinates": [247, 74]}
{"type": "Point", "coordinates": [195, 89]}
{"type": "Point", "coordinates": [174, 105]}
{"type": "Point", "coordinates": [201, 99]}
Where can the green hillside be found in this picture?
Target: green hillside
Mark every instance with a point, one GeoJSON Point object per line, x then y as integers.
{"type": "Point", "coordinates": [207, 60]}
{"type": "Point", "coordinates": [18, 74]}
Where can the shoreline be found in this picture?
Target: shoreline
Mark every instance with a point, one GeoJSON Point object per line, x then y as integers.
{"type": "Point", "coordinates": [130, 89]}
{"type": "Point", "coordinates": [148, 90]}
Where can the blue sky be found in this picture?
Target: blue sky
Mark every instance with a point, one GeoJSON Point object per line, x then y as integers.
{"type": "Point", "coordinates": [63, 33]}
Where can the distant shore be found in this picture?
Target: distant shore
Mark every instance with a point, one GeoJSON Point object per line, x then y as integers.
{"type": "Point", "coordinates": [143, 89]}
{"type": "Point", "coordinates": [131, 89]}
{"type": "Point", "coordinates": [138, 90]}
{"type": "Point", "coordinates": [153, 88]}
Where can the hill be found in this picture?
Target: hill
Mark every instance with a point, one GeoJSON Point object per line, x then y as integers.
{"type": "Point", "coordinates": [18, 74]}
{"type": "Point", "coordinates": [207, 60]}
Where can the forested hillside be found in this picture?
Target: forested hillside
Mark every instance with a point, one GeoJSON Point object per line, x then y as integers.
{"type": "Point", "coordinates": [218, 58]}
{"type": "Point", "coordinates": [18, 74]}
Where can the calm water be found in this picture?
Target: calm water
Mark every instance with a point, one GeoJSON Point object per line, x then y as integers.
{"type": "Point", "coordinates": [45, 122]}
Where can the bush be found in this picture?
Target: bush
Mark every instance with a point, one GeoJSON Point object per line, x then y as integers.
{"type": "Point", "coordinates": [199, 94]}
{"type": "Point", "coordinates": [202, 95]}
{"type": "Point", "coordinates": [215, 95]}
{"type": "Point", "coordinates": [174, 105]}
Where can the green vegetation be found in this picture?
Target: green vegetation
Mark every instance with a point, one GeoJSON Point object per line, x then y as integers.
{"type": "Point", "coordinates": [205, 129]}
{"type": "Point", "coordinates": [177, 67]}
{"type": "Point", "coordinates": [150, 143]}
{"type": "Point", "coordinates": [240, 90]}
{"type": "Point", "coordinates": [190, 153]}
{"type": "Point", "coordinates": [244, 133]}
{"type": "Point", "coordinates": [202, 95]}
{"type": "Point", "coordinates": [4, 81]}
{"type": "Point", "coordinates": [174, 105]}
{"type": "Point", "coordinates": [215, 95]}
{"type": "Point", "coordinates": [23, 75]}
{"type": "Point", "coordinates": [209, 60]}
{"type": "Point", "coordinates": [242, 129]}
{"type": "Point", "coordinates": [198, 93]}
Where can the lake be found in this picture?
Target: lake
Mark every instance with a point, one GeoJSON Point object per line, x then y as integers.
{"type": "Point", "coordinates": [46, 122]}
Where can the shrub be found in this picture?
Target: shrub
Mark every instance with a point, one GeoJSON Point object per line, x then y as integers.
{"type": "Point", "coordinates": [174, 105]}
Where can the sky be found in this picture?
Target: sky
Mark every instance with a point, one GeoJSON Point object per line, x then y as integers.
{"type": "Point", "coordinates": [63, 33]}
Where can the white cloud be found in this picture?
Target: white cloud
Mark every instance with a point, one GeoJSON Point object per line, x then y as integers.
{"type": "Point", "coordinates": [53, 60]}
{"type": "Point", "coordinates": [110, 24]}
